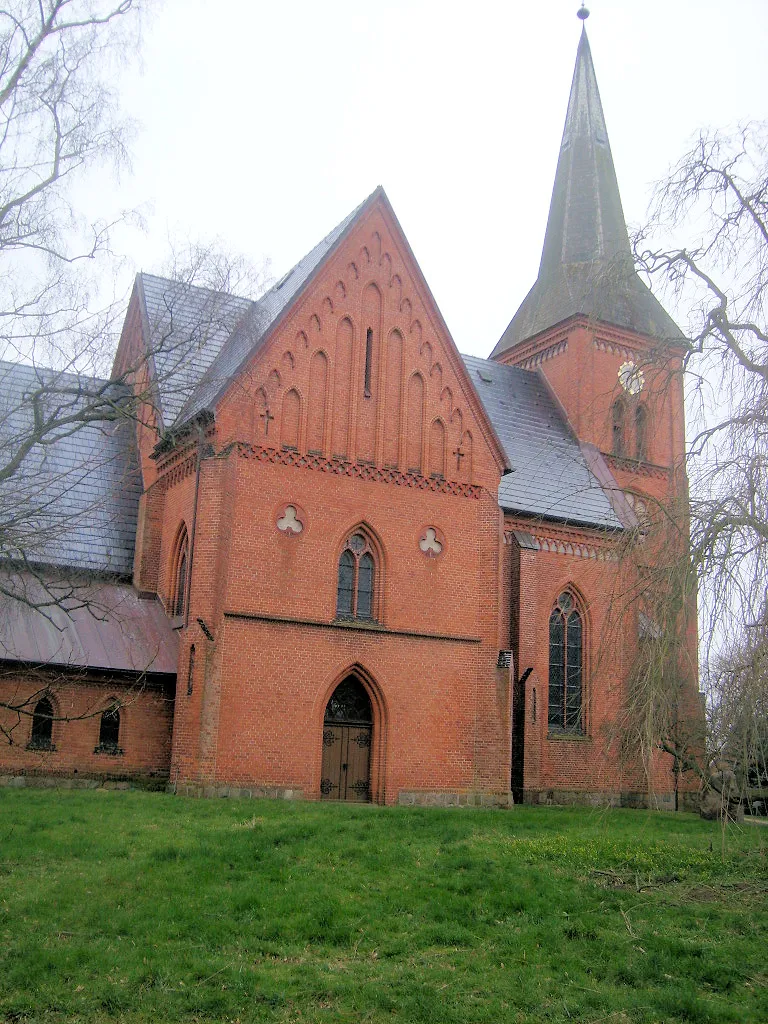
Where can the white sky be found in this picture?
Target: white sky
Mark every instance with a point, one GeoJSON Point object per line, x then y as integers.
{"type": "Point", "coordinates": [265, 124]}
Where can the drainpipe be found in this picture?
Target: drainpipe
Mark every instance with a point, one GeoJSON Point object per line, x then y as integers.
{"type": "Point", "coordinates": [200, 433]}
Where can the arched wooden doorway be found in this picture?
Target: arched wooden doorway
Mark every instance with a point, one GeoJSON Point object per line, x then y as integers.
{"type": "Point", "coordinates": [347, 731]}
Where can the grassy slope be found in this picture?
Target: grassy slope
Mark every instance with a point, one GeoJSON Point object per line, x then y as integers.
{"type": "Point", "coordinates": [150, 908]}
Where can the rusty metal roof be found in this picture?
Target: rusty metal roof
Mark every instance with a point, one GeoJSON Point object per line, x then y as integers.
{"type": "Point", "coordinates": [94, 625]}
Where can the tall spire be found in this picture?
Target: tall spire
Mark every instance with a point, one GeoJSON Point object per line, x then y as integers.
{"type": "Point", "coordinates": [586, 262]}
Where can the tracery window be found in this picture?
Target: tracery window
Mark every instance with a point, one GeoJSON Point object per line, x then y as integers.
{"type": "Point", "coordinates": [355, 593]}
{"type": "Point", "coordinates": [566, 658]}
{"type": "Point", "coordinates": [618, 443]}
{"type": "Point", "coordinates": [641, 433]}
{"type": "Point", "coordinates": [109, 730]}
{"type": "Point", "coordinates": [42, 725]}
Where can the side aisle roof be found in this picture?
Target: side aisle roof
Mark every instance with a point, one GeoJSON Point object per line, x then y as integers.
{"type": "Point", "coordinates": [550, 477]}
{"type": "Point", "coordinates": [74, 500]}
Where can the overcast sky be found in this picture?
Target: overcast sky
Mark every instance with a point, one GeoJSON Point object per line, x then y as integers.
{"type": "Point", "coordinates": [265, 124]}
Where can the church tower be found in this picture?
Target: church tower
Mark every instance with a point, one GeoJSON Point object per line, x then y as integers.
{"type": "Point", "coordinates": [604, 344]}
{"type": "Point", "coordinates": [605, 359]}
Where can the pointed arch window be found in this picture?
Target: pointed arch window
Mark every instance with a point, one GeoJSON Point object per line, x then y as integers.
{"type": "Point", "coordinates": [180, 574]}
{"type": "Point", "coordinates": [618, 417]}
{"type": "Point", "coordinates": [566, 664]}
{"type": "Point", "coordinates": [356, 589]}
{"type": "Point", "coordinates": [42, 726]}
{"type": "Point", "coordinates": [641, 433]}
{"type": "Point", "coordinates": [109, 731]}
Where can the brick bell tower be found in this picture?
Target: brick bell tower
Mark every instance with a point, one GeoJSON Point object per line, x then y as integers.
{"type": "Point", "coordinates": [612, 359]}
{"type": "Point", "coordinates": [603, 343]}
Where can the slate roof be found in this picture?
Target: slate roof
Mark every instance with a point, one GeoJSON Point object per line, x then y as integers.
{"type": "Point", "coordinates": [550, 476]}
{"type": "Point", "coordinates": [187, 328]}
{"type": "Point", "coordinates": [204, 337]}
{"type": "Point", "coordinates": [103, 625]}
{"type": "Point", "coordinates": [73, 502]}
{"type": "Point", "coordinates": [586, 262]}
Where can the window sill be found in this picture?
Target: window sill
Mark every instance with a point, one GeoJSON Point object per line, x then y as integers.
{"type": "Point", "coordinates": [569, 736]}
{"type": "Point", "coordinates": [359, 623]}
{"type": "Point", "coordinates": [109, 749]}
{"type": "Point", "coordinates": [47, 748]}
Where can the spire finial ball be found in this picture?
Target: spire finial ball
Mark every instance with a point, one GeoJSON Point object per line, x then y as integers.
{"type": "Point", "coordinates": [583, 13]}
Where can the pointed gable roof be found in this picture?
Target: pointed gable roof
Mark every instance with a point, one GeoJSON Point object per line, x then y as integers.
{"type": "Point", "coordinates": [200, 338]}
{"type": "Point", "coordinates": [586, 263]}
{"type": "Point", "coordinates": [207, 337]}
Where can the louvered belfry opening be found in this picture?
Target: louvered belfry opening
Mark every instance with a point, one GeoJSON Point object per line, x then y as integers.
{"type": "Point", "coordinates": [347, 734]}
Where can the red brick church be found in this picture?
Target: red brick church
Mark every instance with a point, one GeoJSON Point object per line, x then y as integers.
{"type": "Point", "coordinates": [337, 560]}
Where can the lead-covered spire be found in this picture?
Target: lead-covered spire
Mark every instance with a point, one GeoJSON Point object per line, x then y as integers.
{"type": "Point", "coordinates": [586, 262]}
{"type": "Point", "coordinates": [586, 221]}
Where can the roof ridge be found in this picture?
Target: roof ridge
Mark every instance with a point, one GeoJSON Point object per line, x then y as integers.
{"type": "Point", "coordinates": [197, 287]}
{"type": "Point", "coordinates": [72, 374]}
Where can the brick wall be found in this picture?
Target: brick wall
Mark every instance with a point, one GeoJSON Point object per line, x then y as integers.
{"type": "Point", "coordinates": [351, 429]}
{"type": "Point", "coordinates": [146, 721]}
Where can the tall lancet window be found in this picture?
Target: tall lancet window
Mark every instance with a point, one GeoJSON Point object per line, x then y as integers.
{"type": "Point", "coordinates": [641, 433]}
{"type": "Point", "coordinates": [356, 590]}
{"type": "Point", "coordinates": [618, 416]}
{"type": "Point", "coordinates": [566, 657]}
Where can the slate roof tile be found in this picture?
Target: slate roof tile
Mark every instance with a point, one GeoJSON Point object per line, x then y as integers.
{"type": "Point", "coordinates": [550, 477]}
{"type": "Point", "coordinates": [73, 502]}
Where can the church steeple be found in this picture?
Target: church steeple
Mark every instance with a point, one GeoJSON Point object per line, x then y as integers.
{"type": "Point", "coordinates": [586, 262]}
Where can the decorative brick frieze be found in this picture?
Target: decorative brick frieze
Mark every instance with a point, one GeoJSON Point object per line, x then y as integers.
{"type": "Point", "coordinates": [532, 361]}
{"type": "Point", "coordinates": [617, 348]}
{"type": "Point", "coordinates": [356, 470]}
{"type": "Point", "coordinates": [645, 469]}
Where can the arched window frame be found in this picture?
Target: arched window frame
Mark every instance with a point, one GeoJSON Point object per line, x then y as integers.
{"type": "Point", "coordinates": [642, 422]}
{"type": "Point", "coordinates": [110, 724]}
{"type": "Point", "coordinates": [619, 427]}
{"type": "Point", "coordinates": [41, 730]}
{"type": "Point", "coordinates": [567, 648]}
{"type": "Point", "coordinates": [358, 580]}
{"type": "Point", "coordinates": [179, 591]}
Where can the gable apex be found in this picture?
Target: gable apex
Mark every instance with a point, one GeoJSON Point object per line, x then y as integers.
{"type": "Point", "coordinates": [265, 314]}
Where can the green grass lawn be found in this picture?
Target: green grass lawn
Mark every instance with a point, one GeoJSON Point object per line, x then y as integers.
{"type": "Point", "coordinates": [145, 907]}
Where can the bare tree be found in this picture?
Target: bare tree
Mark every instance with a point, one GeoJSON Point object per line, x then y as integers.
{"type": "Point", "coordinates": [718, 194]}
{"type": "Point", "coordinates": [737, 686]}
{"type": "Point", "coordinates": [65, 409]}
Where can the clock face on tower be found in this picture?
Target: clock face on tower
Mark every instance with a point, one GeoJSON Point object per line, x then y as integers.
{"type": "Point", "coordinates": [631, 378]}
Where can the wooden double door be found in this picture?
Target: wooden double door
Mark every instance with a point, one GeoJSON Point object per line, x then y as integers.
{"type": "Point", "coordinates": [347, 735]}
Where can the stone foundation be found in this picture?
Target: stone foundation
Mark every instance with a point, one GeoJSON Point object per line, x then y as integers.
{"type": "Point", "coordinates": [235, 792]}
{"type": "Point", "coordinates": [638, 800]}
{"type": "Point", "coordinates": [81, 782]}
{"type": "Point", "coordinates": [442, 798]}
